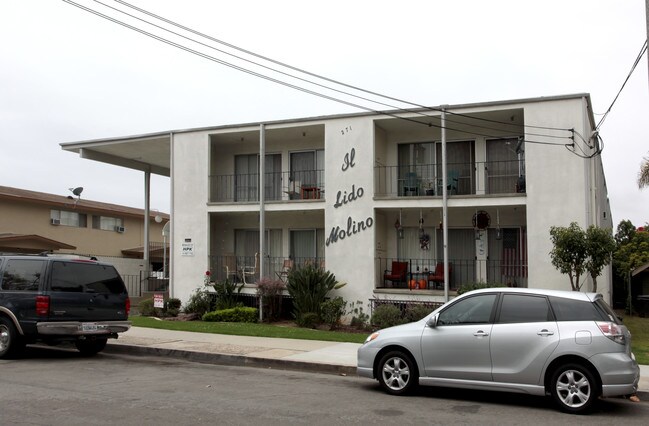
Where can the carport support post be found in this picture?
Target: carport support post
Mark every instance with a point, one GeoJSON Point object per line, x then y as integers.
{"type": "Point", "coordinates": [147, 196]}
{"type": "Point", "coordinates": [262, 213]}
{"type": "Point", "coordinates": [444, 205]}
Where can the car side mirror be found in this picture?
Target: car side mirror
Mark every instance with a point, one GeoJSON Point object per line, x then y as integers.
{"type": "Point", "coordinates": [432, 321]}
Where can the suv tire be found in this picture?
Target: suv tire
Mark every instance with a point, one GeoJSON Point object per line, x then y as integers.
{"type": "Point", "coordinates": [10, 341]}
{"type": "Point", "coordinates": [573, 388]}
{"type": "Point", "coordinates": [90, 347]}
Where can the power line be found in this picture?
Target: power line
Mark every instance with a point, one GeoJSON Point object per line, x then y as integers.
{"type": "Point", "coordinates": [232, 46]}
{"type": "Point", "coordinates": [635, 64]}
{"type": "Point", "coordinates": [312, 92]}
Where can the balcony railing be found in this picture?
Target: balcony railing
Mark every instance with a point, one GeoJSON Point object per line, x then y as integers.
{"type": "Point", "coordinates": [490, 177]}
{"type": "Point", "coordinates": [462, 271]}
{"type": "Point", "coordinates": [298, 185]}
{"type": "Point", "coordinates": [232, 267]}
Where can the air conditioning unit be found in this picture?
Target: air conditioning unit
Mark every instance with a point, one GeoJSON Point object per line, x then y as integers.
{"type": "Point", "coordinates": [120, 229]}
{"type": "Point", "coordinates": [55, 221]}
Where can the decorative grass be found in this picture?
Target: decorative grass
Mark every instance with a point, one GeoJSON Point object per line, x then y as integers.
{"type": "Point", "coordinates": [248, 329]}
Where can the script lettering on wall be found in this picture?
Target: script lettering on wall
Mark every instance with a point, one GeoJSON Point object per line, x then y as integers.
{"type": "Point", "coordinates": [353, 226]}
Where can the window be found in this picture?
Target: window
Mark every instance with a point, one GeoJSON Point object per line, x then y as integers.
{"type": "Point", "coordinates": [472, 310]}
{"type": "Point", "coordinates": [307, 245]}
{"type": "Point", "coordinates": [517, 308]}
{"type": "Point", "coordinates": [576, 310]}
{"type": "Point", "coordinates": [106, 223]}
{"type": "Point", "coordinates": [85, 278]}
{"type": "Point", "coordinates": [67, 218]}
{"type": "Point", "coordinates": [22, 275]}
{"type": "Point", "coordinates": [246, 169]}
{"type": "Point", "coordinates": [504, 165]}
{"type": "Point", "coordinates": [307, 169]}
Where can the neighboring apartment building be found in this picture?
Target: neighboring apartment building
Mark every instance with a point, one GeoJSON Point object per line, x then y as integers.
{"type": "Point", "coordinates": [356, 193]}
{"type": "Point", "coordinates": [36, 222]}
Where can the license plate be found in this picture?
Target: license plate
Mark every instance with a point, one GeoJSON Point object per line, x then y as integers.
{"type": "Point", "coordinates": [88, 327]}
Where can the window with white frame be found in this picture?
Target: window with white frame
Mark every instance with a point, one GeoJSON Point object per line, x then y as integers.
{"type": "Point", "coordinates": [107, 223]}
{"type": "Point", "coordinates": [67, 218]}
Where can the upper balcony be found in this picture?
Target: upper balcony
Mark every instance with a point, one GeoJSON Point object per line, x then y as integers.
{"type": "Point", "coordinates": [278, 186]}
{"type": "Point", "coordinates": [471, 178]}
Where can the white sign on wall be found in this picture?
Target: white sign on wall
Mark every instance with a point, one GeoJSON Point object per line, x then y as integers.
{"type": "Point", "coordinates": [187, 249]}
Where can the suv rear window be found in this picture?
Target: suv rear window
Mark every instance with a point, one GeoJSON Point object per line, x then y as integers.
{"type": "Point", "coordinates": [86, 278]}
{"type": "Point", "coordinates": [576, 310]}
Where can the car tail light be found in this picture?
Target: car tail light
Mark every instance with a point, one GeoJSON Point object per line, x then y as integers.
{"type": "Point", "coordinates": [42, 305]}
{"type": "Point", "coordinates": [128, 305]}
{"type": "Point", "coordinates": [612, 331]}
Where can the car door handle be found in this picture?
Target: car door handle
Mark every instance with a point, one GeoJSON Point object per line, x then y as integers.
{"type": "Point", "coordinates": [480, 333]}
{"type": "Point", "coordinates": [545, 332]}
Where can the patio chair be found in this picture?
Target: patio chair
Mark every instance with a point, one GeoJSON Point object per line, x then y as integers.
{"type": "Point", "coordinates": [411, 184]}
{"type": "Point", "coordinates": [230, 266]}
{"type": "Point", "coordinates": [286, 268]}
{"type": "Point", "coordinates": [250, 271]}
{"type": "Point", "coordinates": [437, 277]}
{"type": "Point", "coordinates": [398, 273]}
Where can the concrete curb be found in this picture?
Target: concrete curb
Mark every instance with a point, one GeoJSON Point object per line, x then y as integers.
{"type": "Point", "coordinates": [232, 360]}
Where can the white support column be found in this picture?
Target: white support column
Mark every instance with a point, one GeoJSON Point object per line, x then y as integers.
{"type": "Point", "coordinates": [262, 211]}
{"type": "Point", "coordinates": [444, 205]}
{"type": "Point", "coordinates": [147, 198]}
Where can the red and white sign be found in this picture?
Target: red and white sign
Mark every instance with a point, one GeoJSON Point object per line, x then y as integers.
{"type": "Point", "coordinates": [158, 301]}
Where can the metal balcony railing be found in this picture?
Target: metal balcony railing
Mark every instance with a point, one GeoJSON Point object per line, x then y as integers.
{"type": "Point", "coordinates": [279, 186]}
{"type": "Point", "coordinates": [476, 178]}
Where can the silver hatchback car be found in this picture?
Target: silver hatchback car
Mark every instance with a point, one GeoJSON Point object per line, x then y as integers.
{"type": "Point", "coordinates": [569, 345]}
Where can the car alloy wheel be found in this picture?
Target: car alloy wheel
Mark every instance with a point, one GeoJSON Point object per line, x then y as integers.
{"type": "Point", "coordinates": [10, 342]}
{"type": "Point", "coordinates": [397, 373]}
{"type": "Point", "coordinates": [574, 388]}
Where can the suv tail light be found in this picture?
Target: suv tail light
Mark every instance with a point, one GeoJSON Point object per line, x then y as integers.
{"type": "Point", "coordinates": [42, 305]}
{"type": "Point", "coordinates": [612, 331]}
{"type": "Point", "coordinates": [128, 305]}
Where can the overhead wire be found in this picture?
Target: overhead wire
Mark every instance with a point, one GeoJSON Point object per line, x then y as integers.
{"type": "Point", "coordinates": [283, 64]}
{"type": "Point", "coordinates": [312, 92]}
{"type": "Point", "coordinates": [643, 50]}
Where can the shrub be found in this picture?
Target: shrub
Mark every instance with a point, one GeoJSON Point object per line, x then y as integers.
{"type": "Point", "coordinates": [226, 294]}
{"type": "Point", "coordinates": [199, 302]}
{"type": "Point", "coordinates": [386, 315]}
{"type": "Point", "coordinates": [475, 286]}
{"type": "Point", "coordinates": [360, 319]}
{"type": "Point", "coordinates": [172, 303]}
{"type": "Point", "coordinates": [237, 314]}
{"type": "Point", "coordinates": [309, 286]}
{"type": "Point", "coordinates": [332, 310]}
{"type": "Point", "coordinates": [308, 320]}
{"type": "Point", "coordinates": [416, 312]}
{"type": "Point", "coordinates": [270, 291]}
{"type": "Point", "coordinates": [146, 308]}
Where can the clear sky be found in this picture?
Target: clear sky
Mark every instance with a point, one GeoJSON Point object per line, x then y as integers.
{"type": "Point", "coordinates": [67, 75]}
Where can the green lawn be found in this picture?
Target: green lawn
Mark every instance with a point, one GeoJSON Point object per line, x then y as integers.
{"type": "Point", "coordinates": [639, 328]}
{"type": "Point", "coordinates": [248, 329]}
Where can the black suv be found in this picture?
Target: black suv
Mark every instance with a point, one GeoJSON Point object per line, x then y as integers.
{"type": "Point", "coordinates": [53, 300]}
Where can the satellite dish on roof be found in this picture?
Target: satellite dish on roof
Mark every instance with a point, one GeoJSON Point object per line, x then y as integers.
{"type": "Point", "coordinates": [77, 191]}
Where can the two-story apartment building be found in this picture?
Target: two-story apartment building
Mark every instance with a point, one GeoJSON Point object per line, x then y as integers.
{"type": "Point", "coordinates": [475, 187]}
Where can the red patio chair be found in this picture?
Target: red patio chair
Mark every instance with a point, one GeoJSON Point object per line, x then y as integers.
{"type": "Point", "coordinates": [398, 273]}
{"type": "Point", "coordinates": [437, 277]}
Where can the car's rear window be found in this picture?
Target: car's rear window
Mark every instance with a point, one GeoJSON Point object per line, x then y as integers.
{"type": "Point", "coordinates": [576, 310]}
{"type": "Point", "coordinates": [86, 278]}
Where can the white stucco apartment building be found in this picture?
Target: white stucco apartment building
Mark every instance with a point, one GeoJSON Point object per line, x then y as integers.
{"type": "Point", "coordinates": [355, 193]}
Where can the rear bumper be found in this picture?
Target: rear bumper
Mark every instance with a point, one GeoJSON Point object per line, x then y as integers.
{"type": "Point", "coordinates": [619, 373]}
{"type": "Point", "coordinates": [78, 328]}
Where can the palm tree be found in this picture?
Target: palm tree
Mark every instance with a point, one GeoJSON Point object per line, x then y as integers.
{"type": "Point", "coordinates": [643, 174]}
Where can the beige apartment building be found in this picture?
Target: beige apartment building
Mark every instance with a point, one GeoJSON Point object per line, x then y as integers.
{"type": "Point", "coordinates": [36, 222]}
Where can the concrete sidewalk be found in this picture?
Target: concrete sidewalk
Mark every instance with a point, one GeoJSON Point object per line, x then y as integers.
{"type": "Point", "coordinates": [266, 352]}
